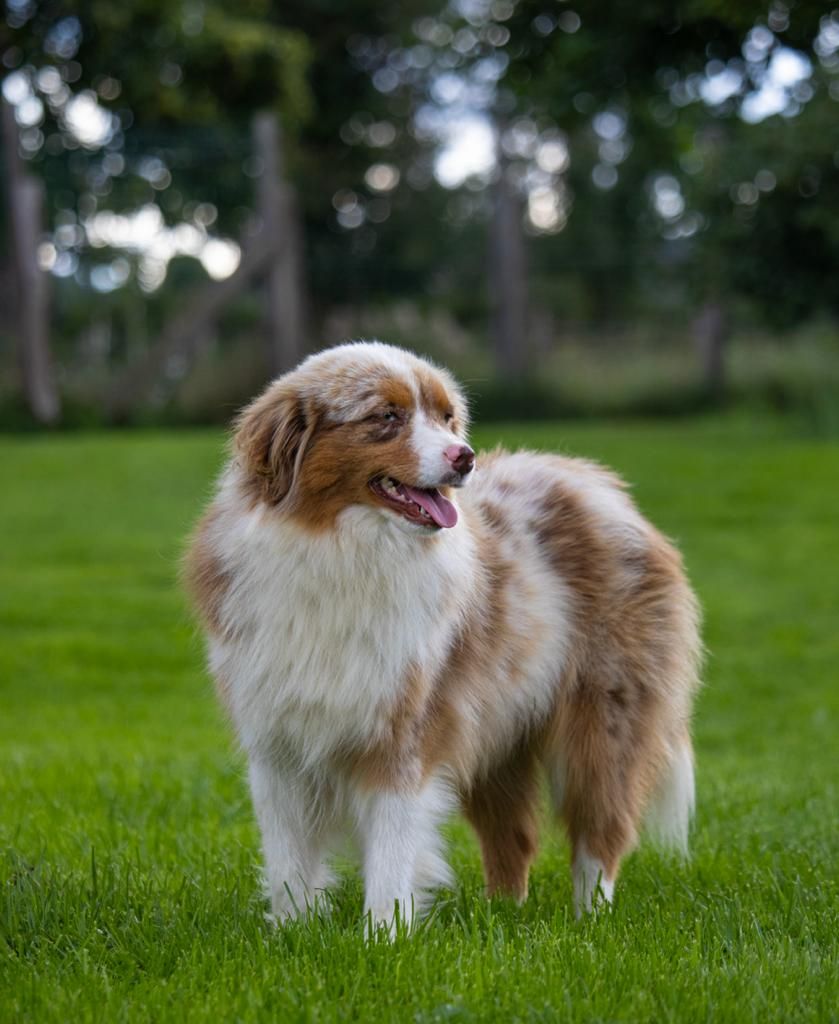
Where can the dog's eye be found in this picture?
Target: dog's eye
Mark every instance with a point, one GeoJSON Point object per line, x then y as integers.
{"type": "Point", "coordinates": [449, 416]}
{"type": "Point", "coordinates": [390, 416]}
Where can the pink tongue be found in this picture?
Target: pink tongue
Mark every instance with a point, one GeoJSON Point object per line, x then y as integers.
{"type": "Point", "coordinates": [441, 510]}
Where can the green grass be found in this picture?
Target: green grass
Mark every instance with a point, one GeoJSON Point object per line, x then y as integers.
{"type": "Point", "coordinates": [129, 858]}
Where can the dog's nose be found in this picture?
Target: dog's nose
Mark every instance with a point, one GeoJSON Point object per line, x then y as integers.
{"type": "Point", "coordinates": [461, 457]}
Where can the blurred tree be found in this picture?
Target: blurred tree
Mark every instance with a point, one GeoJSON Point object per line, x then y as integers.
{"type": "Point", "coordinates": [668, 159]}
{"type": "Point", "coordinates": [703, 147]}
{"type": "Point", "coordinates": [149, 84]}
{"type": "Point", "coordinates": [671, 160]}
{"type": "Point", "coordinates": [170, 91]}
{"type": "Point", "coordinates": [30, 302]}
{"type": "Point", "coordinates": [145, 109]}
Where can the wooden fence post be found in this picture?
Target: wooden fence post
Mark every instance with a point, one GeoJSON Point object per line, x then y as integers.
{"type": "Point", "coordinates": [508, 279]}
{"type": "Point", "coordinates": [277, 206]}
{"type": "Point", "coordinates": [25, 198]}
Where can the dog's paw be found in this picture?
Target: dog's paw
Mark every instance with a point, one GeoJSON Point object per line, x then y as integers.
{"type": "Point", "coordinates": [289, 906]}
{"type": "Point", "coordinates": [592, 890]}
{"type": "Point", "coordinates": [390, 921]}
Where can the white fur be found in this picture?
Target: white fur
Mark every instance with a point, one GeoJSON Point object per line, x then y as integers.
{"type": "Point", "coordinates": [430, 441]}
{"type": "Point", "coordinates": [289, 810]}
{"type": "Point", "coordinates": [331, 624]}
{"type": "Point", "coordinates": [590, 883]}
{"type": "Point", "coordinates": [402, 850]}
{"type": "Point", "coordinates": [669, 816]}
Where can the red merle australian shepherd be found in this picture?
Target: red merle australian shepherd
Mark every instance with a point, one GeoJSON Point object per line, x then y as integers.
{"type": "Point", "coordinates": [398, 628]}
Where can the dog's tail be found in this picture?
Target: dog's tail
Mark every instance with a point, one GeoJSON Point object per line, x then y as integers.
{"type": "Point", "coordinates": [671, 809]}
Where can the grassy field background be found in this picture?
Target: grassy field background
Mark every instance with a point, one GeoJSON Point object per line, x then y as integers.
{"type": "Point", "coordinates": [129, 858]}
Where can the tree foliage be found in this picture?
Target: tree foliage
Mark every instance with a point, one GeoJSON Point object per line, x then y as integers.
{"type": "Point", "coordinates": [669, 192]}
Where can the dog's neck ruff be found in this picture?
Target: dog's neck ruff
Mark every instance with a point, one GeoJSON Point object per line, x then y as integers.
{"type": "Point", "coordinates": [336, 621]}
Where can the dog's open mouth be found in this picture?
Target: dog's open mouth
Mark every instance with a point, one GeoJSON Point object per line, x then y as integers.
{"type": "Point", "coordinates": [421, 505]}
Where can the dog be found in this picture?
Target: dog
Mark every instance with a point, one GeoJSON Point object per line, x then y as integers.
{"type": "Point", "coordinates": [391, 644]}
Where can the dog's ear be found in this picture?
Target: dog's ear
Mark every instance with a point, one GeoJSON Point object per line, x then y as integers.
{"type": "Point", "coordinates": [270, 438]}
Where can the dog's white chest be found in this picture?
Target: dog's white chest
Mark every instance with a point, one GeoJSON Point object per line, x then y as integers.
{"type": "Point", "coordinates": [326, 631]}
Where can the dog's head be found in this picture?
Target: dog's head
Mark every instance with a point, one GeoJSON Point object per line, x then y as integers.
{"type": "Point", "coordinates": [361, 424]}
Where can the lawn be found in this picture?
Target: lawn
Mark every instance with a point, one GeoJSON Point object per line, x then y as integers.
{"type": "Point", "coordinates": [129, 858]}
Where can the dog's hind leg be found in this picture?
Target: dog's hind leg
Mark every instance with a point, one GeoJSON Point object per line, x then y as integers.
{"type": "Point", "coordinates": [502, 808]}
{"type": "Point", "coordinates": [602, 759]}
{"type": "Point", "coordinates": [603, 755]}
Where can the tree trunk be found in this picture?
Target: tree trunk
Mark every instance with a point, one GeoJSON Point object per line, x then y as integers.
{"type": "Point", "coordinates": [25, 197]}
{"type": "Point", "coordinates": [277, 205]}
{"type": "Point", "coordinates": [710, 332]}
{"type": "Point", "coordinates": [508, 281]}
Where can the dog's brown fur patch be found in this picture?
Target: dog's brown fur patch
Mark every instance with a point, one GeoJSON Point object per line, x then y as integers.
{"type": "Point", "coordinates": [204, 575]}
{"type": "Point", "coordinates": [207, 583]}
{"type": "Point", "coordinates": [270, 438]}
{"type": "Point", "coordinates": [615, 715]}
{"type": "Point", "coordinates": [434, 397]}
{"type": "Point", "coordinates": [495, 516]}
{"type": "Point", "coordinates": [391, 760]}
{"type": "Point", "coordinates": [502, 808]}
{"type": "Point", "coordinates": [481, 637]}
{"type": "Point", "coordinates": [339, 466]}
{"type": "Point", "coordinates": [394, 392]}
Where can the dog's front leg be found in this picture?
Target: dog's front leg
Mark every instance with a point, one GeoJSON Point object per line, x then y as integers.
{"type": "Point", "coordinates": [291, 821]}
{"type": "Point", "coordinates": [391, 825]}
